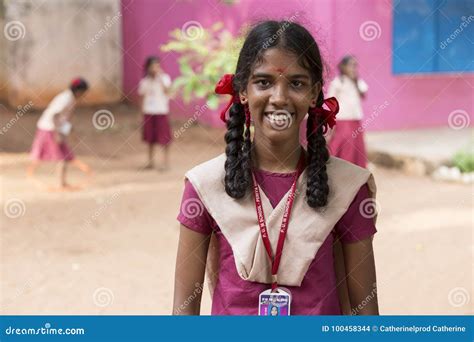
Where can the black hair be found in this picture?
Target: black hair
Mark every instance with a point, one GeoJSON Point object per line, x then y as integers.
{"type": "Point", "coordinates": [344, 61]}
{"type": "Point", "coordinates": [295, 38]}
{"type": "Point", "coordinates": [149, 61]}
{"type": "Point", "coordinates": [79, 84]}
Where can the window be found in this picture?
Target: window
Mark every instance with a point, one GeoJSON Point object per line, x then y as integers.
{"type": "Point", "coordinates": [433, 36]}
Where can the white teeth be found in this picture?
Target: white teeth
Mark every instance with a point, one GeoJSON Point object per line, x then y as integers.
{"type": "Point", "coordinates": [280, 119]}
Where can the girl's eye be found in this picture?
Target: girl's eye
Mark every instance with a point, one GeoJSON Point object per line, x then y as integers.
{"type": "Point", "coordinates": [297, 84]}
{"type": "Point", "coordinates": [263, 83]}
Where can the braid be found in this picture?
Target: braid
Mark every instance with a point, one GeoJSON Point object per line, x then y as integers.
{"type": "Point", "coordinates": [237, 165]}
{"type": "Point", "coordinates": [317, 187]}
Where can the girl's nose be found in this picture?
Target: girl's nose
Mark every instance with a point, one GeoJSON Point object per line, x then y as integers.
{"type": "Point", "coordinates": [279, 97]}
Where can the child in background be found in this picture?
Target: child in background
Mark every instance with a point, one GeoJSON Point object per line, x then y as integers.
{"type": "Point", "coordinates": [154, 90]}
{"type": "Point", "coordinates": [346, 141]}
{"type": "Point", "coordinates": [53, 128]}
{"type": "Point", "coordinates": [266, 187]}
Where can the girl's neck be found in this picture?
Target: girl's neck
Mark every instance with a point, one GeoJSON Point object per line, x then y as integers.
{"type": "Point", "coordinates": [278, 158]}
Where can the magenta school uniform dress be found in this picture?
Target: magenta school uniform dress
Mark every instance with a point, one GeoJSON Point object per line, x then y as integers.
{"type": "Point", "coordinates": [155, 108]}
{"type": "Point", "coordinates": [45, 147]}
{"type": "Point", "coordinates": [317, 294]}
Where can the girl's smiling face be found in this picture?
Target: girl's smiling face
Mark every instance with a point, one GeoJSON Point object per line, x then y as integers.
{"type": "Point", "coordinates": [279, 93]}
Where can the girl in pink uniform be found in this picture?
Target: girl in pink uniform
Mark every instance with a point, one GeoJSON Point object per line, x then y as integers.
{"type": "Point", "coordinates": [347, 139]}
{"type": "Point", "coordinates": [53, 128]}
{"type": "Point", "coordinates": [154, 89]}
{"type": "Point", "coordinates": [233, 205]}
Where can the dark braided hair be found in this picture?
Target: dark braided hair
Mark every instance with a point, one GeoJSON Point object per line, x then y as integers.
{"type": "Point", "coordinates": [294, 38]}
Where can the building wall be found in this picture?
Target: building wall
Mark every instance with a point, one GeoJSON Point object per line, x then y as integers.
{"type": "Point", "coordinates": [362, 28]}
{"type": "Point", "coordinates": [51, 42]}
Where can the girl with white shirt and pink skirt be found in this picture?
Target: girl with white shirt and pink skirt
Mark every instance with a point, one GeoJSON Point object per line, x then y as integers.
{"type": "Point", "coordinates": [346, 141]}
{"type": "Point", "coordinates": [53, 128]}
{"type": "Point", "coordinates": [154, 89]}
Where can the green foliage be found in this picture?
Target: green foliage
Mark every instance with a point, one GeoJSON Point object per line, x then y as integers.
{"type": "Point", "coordinates": [464, 160]}
{"type": "Point", "coordinates": [205, 55]}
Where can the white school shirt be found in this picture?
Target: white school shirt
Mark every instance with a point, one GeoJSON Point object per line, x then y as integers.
{"type": "Point", "coordinates": [347, 94]}
{"type": "Point", "coordinates": [155, 101]}
{"type": "Point", "coordinates": [62, 105]}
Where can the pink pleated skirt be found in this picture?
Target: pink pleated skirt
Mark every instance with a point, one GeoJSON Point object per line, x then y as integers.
{"type": "Point", "coordinates": [348, 142]}
{"type": "Point", "coordinates": [156, 129]}
{"type": "Point", "coordinates": [46, 148]}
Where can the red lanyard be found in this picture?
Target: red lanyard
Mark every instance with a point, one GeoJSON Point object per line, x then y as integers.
{"type": "Point", "coordinates": [275, 260]}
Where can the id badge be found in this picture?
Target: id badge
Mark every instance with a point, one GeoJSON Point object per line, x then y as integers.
{"type": "Point", "coordinates": [276, 303]}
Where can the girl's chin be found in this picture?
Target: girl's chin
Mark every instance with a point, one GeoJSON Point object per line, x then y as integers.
{"type": "Point", "coordinates": [277, 133]}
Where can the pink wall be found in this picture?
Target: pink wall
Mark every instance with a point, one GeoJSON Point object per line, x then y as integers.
{"type": "Point", "coordinates": [393, 102]}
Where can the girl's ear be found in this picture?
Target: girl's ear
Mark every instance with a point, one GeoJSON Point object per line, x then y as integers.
{"type": "Point", "coordinates": [315, 94]}
{"type": "Point", "coordinates": [243, 96]}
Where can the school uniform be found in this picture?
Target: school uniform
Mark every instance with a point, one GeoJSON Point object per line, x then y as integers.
{"type": "Point", "coordinates": [238, 265]}
{"type": "Point", "coordinates": [45, 147]}
{"type": "Point", "coordinates": [155, 107]}
{"type": "Point", "coordinates": [348, 140]}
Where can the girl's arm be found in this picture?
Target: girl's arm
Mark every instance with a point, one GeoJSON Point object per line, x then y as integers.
{"type": "Point", "coordinates": [190, 269]}
{"type": "Point", "coordinates": [361, 279]}
{"type": "Point", "coordinates": [57, 124]}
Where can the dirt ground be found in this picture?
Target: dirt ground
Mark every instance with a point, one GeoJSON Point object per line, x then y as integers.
{"type": "Point", "coordinates": [110, 247]}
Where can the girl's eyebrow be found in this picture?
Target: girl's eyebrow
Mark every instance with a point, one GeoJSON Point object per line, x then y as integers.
{"type": "Point", "coordinates": [262, 74]}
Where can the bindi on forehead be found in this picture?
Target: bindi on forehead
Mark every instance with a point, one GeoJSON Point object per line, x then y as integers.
{"type": "Point", "coordinates": [280, 71]}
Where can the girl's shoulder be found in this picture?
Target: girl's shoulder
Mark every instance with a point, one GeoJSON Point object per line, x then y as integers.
{"type": "Point", "coordinates": [211, 169]}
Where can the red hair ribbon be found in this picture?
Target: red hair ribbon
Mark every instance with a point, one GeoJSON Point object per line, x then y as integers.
{"type": "Point", "coordinates": [327, 117]}
{"type": "Point", "coordinates": [224, 87]}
